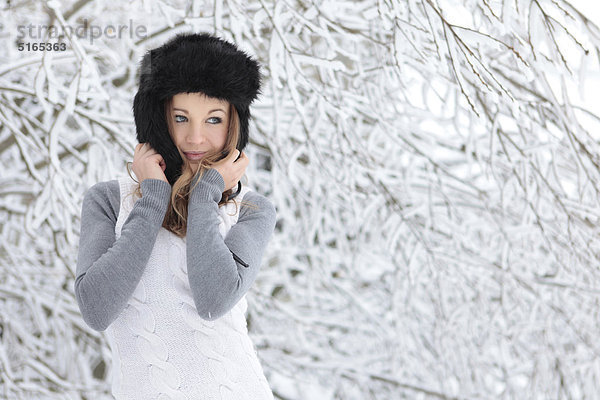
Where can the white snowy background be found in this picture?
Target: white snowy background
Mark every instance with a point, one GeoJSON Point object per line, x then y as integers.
{"type": "Point", "coordinates": [434, 165]}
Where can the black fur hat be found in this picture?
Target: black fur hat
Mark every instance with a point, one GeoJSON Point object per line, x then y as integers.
{"type": "Point", "coordinates": [191, 62]}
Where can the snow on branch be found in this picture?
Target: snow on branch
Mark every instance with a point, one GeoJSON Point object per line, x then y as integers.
{"type": "Point", "coordinates": [434, 165]}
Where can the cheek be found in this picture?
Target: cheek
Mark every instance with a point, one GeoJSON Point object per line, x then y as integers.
{"type": "Point", "coordinates": [222, 134]}
{"type": "Point", "coordinates": [177, 135]}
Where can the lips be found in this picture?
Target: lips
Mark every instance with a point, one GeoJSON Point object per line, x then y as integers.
{"type": "Point", "coordinates": [194, 155]}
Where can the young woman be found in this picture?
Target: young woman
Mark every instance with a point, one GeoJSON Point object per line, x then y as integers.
{"type": "Point", "coordinates": [165, 262]}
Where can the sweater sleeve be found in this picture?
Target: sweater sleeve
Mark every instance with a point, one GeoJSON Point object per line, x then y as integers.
{"type": "Point", "coordinates": [220, 270]}
{"type": "Point", "coordinates": [109, 270]}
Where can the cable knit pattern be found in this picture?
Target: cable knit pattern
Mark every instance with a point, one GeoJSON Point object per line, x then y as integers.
{"type": "Point", "coordinates": [162, 349]}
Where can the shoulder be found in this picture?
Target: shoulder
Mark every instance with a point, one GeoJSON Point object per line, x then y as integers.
{"type": "Point", "coordinates": [254, 202]}
{"type": "Point", "coordinates": [107, 191]}
{"type": "Point", "coordinates": [106, 195]}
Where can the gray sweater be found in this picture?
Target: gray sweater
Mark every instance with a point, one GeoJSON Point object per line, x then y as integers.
{"type": "Point", "coordinates": [220, 270]}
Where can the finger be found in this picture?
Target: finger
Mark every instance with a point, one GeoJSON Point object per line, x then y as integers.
{"type": "Point", "coordinates": [148, 149]}
{"type": "Point", "coordinates": [244, 158]}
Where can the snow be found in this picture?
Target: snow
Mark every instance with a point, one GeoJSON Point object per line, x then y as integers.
{"type": "Point", "coordinates": [436, 190]}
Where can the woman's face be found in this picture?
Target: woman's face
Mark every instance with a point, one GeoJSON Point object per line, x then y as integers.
{"type": "Point", "coordinates": [199, 124]}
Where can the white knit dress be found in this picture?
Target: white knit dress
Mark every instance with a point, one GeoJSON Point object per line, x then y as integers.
{"type": "Point", "coordinates": [162, 349]}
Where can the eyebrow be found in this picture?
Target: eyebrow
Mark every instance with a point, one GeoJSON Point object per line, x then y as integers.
{"type": "Point", "coordinates": [185, 111]}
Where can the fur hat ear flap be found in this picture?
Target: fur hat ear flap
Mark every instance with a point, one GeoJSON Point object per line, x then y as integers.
{"type": "Point", "coordinates": [244, 114]}
{"type": "Point", "coordinates": [190, 63]}
{"type": "Point", "coordinates": [151, 127]}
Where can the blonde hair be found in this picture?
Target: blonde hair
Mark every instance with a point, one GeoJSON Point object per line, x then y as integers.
{"type": "Point", "coordinates": [176, 216]}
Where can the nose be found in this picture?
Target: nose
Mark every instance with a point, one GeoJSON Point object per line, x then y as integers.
{"type": "Point", "coordinates": [196, 135]}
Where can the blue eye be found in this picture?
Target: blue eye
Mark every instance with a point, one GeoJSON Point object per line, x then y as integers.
{"type": "Point", "coordinates": [217, 118]}
{"type": "Point", "coordinates": [176, 120]}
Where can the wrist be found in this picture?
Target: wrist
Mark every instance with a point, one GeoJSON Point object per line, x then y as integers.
{"type": "Point", "coordinates": [155, 198]}
{"type": "Point", "coordinates": [210, 187]}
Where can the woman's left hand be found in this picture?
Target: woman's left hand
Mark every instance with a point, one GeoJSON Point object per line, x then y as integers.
{"type": "Point", "coordinates": [231, 169]}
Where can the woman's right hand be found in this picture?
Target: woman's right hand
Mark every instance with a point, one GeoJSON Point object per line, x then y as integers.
{"type": "Point", "coordinates": [148, 163]}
